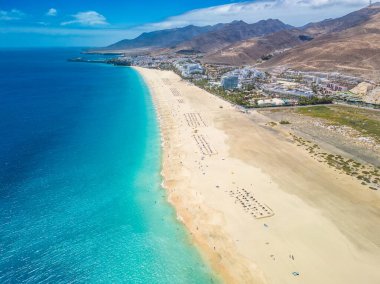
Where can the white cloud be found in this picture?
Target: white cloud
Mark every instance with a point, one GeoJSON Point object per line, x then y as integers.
{"type": "Point", "coordinates": [11, 15]}
{"type": "Point", "coordinates": [52, 12]}
{"type": "Point", "coordinates": [294, 12]}
{"type": "Point", "coordinates": [327, 3]}
{"type": "Point", "coordinates": [89, 18]}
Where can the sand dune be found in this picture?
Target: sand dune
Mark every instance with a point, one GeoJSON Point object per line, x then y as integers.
{"type": "Point", "coordinates": [260, 209]}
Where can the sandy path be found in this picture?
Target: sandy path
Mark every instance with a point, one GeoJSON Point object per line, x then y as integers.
{"type": "Point", "coordinates": [223, 169]}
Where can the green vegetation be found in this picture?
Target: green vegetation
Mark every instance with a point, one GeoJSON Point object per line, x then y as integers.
{"type": "Point", "coordinates": [236, 97]}
{"type": "Point", "coordinates": [367, 174]}
{"type": "Point", "coordinates": [247, 98]}
{"type": "Point", "coordinates": [303, 101]}
{"type": "Point", "coordinates": [284, 122]}
{"type": "Point", "coordinates": [266, 57]}
{"type": "Point", "coordinates": [314, 87]}
{"type": "Point", "coordinates": [272, 123]}
{"type": "Point", "coordinates": [250, 87]}
{"type": "Point", "coordinates": [364, 121]}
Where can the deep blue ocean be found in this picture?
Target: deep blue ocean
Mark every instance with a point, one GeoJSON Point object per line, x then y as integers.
{"type": "Point", "coordinates": [80, 194]}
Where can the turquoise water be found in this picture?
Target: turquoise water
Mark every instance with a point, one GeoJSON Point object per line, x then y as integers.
{"type": "Point", "coordinates": [80, 195]}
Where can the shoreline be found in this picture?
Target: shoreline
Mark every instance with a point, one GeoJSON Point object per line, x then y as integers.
{"type": "Point", "coordinates": [183, 216]}
{"type": "Point", "coordinates": [203, 136]}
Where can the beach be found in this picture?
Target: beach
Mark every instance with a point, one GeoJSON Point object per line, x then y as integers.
{"type": "Point", "coordinates": [259, 208]}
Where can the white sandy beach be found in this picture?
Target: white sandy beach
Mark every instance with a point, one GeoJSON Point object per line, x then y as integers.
{"type": "Point", "coordinates": [260, 209]}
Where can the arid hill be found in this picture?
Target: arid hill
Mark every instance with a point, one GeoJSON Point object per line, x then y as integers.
{"type": "Point", "coordinates": [196, 39]}
{"type": "Point", "coordinates": [231, 33]}
{"type": "Point", "coordinates": [347, 43]}
{"type": "Point", "coordinates": [355, 50]}
{"type": "Point", "coordinates": [348, 21]}
{"type": "Point", "coordinates": [350, 44]}
{"type": "Point", "coordinates": [249, 51]}
{"type": "Point", "coordinates": [162, 38]}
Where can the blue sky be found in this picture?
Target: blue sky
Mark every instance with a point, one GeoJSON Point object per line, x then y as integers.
{"type": "Point", "coordinates": [102, 22]}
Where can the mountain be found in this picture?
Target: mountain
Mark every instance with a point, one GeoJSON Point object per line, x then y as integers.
{"type": "Point", "coordinates": [231, 33]}
{"type": "Point", "coordinates": [354, 50]}
{"type": "Point", "coordinates": [198, 39]}
{"type": "Point", "coordinates": [349, 44]}
{"type": "Point", "coordinates": [249, 51]}
{"type": "Point", "coordinates": [350, 20]}
{"type": "Point", "coordinates": [162, 38]}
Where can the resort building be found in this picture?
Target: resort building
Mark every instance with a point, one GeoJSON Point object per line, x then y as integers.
{"type": "Point", "coordinates": [230, 82]}
{"type": "Point", "coordinates": [336, 87]}
{"type": "Point", "coordinates": [188, 69]}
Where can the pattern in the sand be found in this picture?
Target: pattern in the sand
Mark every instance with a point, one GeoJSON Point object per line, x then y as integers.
{"type": "Point", "coordinates": [194, 119]}
{"type": "Point", "coordinates": [250, 203]}
{"type": "Point", "coordinates": [166, 81]}
{"type": "Point", "coordinates": [204, 145]}
{"type": "Point", "coordinates": [175, 92]}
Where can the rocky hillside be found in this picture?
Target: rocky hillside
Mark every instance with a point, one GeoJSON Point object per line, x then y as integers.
{"type": "Point", "coordinates": [326, 44]}
{"type": "Point", "coordinates": [198, 39]}
{"type": "Point", "coordinates": [370, 93]}
{"type": "Point", "coordinates": [162, 38]}
{"type": "Point", "coordinates": [355, 50]}
{"type": "Point", "coordinates": [348, 21]}
{"type": "Point", "coordinates": [349, 44]}
{"type": "Point", "coordinates": [232, 33]}
{"type": "Point", "coordinates": [249, 51]}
